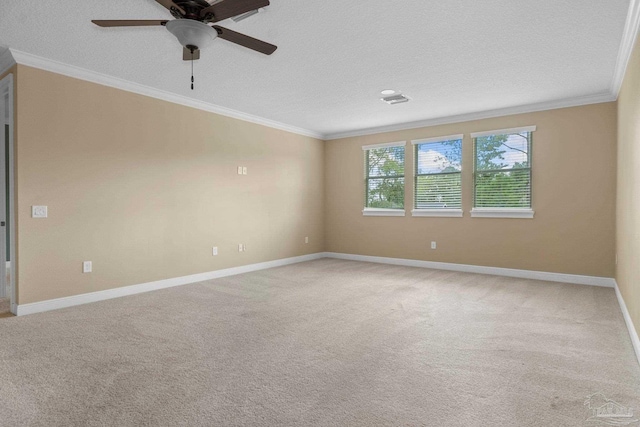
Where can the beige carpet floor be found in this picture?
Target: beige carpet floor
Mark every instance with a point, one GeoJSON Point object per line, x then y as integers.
{"type": "Point", "coordinates": [323, 343]}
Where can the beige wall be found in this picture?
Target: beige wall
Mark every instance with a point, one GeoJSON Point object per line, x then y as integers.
{"type": "Point", "coordinates": [145, 189]}
{"type": "Point", "coordinates": [628, 201]}
{"type": "Point", "coordinates": [574, 186]}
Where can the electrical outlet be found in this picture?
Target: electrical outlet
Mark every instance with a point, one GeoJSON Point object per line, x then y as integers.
{"type": "Point", "coordinates": [306, 240]}
{"type": "Point", "coordinates": [244, 170]}
{"type": "Point", "coordinates": [38, 211]}
{"type": "Point", "coordinates": [87, 267]}
{"type": "Point", "coordinates": [433, 245]}
{"type": "Point", "coordinates": [241, 247]}
{"type": "Point", "coordinates": [239, 170]}
{"type": "Point", "coordinates": [215, 251]}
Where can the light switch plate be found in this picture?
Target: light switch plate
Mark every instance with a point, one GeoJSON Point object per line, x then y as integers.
{"type": "Point", "coordinates": [244, 170]}
{"type": "Point", "coordinates": [239, 170]}
{"type": "Point", "coordinates": [38, 211]}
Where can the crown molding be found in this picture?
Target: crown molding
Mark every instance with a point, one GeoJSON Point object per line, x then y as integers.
{"type": "Point", "coordinates": [626, 47]}
{"type": "Point", "coordinates": [530, 108]}
{"type": "Point", "coordinates": [45, 64]}
{"type": "Point", "coordinates": [6, 60]}
{"type": "Point", "coordinates": [10, 57]}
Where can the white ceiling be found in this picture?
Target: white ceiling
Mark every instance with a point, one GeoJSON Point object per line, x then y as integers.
{"type": "Point", "coordinates": [451, 58]}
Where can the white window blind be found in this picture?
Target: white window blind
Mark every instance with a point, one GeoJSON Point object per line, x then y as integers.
{"type": "Point", "coordinates": [438, 167]}
{"type": "Point", "coordinates": [502, 168]}
{"type": "Point", "coordinates": [384, 176]}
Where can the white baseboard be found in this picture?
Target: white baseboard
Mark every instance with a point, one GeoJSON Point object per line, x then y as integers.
{"type": "Point", "coordinates": [633, 333]}
{"type": "Point", "coordinates": [606, 282]}
{"type": "Point", "coordinates": [38, 307]}
{"type": "Point", "coordinates": [54, 304]}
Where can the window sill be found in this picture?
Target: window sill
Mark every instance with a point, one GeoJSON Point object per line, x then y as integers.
{"type": "Point", "coordinates": [442, 213]}
{"type": "Point", "coordinates": [501, 213]}
{"type": "Point", "coordinates": [382, 212]}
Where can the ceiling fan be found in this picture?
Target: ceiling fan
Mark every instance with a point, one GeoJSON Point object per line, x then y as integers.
{"type": "Point", "coordinates": [191, 28]}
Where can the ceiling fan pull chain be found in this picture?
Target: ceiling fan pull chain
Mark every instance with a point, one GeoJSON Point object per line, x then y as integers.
{"type": "Point", "coordinates": [192, 80]}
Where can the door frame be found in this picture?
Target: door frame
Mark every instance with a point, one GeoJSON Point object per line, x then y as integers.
{"type": "Point", "coordinates": [8, 83]}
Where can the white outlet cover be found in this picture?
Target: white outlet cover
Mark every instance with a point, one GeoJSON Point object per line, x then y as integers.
{"type": "Point", "coordinates": [87, 267]}
{"type": "Point", "coordinates": [239, 170]}
{"type": "Point", "coordinates": [433, 245]}
{"type": "Point", "coordinates": [215, 251]}
{"type": "Point", "coordinates": [244, 170]}
{"type": "Point", "coordinates": [39, 212]}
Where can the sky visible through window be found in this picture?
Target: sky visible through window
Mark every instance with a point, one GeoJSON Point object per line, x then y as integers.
{"type": "Point", "coordinates": [439, 157]}
{"type": "Point", "coordinates": [438, 180]}
{"type": "Point", "coordinates": [446, 156]}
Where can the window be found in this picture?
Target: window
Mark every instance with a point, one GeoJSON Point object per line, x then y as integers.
{"type": "Point", "coordinates": [502, 173]}
{"type": "Point", "coordinates": [438, 167]}
{"type": "Point", "coordinates": [384, 179]}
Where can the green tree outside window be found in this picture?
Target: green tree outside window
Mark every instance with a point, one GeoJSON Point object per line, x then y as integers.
{"type": "Point", "coordinates": [438, 166]}
{"type": "Point", "coordinates": [503, 171]}
{"type": "Point", "coordinates": [384, 178]}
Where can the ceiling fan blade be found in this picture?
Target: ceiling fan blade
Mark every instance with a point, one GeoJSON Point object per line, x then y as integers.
{"type": "Point", "coordinates": [244, 40]}
{"type": "Point", "coordinates": [170, 4]}
{"type": "Point", "coordinates": [128, 23]}
{"type": "Point", "coordinates": [186, 55]}
{"type": "Point", "coordinates": [230, 8]}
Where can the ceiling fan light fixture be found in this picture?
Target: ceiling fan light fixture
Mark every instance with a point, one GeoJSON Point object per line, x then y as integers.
{"type": "Point", "coordinates": [192, 33]}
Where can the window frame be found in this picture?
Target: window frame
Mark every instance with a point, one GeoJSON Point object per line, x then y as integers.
{"type": "Point", "coordinates": [503, 212]}
{"type": "Point", "coordinates": [435, 212]}
{"type": "Point", "coordinates": [390, 212]}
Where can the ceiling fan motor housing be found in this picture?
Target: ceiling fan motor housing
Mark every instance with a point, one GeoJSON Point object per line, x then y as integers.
{"type": "Point", "coordinates": [192, 33]}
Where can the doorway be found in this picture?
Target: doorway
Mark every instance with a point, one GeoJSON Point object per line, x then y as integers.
{"type": "Point", "coordinates": [7, 253]}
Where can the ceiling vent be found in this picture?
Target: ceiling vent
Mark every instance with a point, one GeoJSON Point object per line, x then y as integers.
{"type": "Point", "coordinates": [395, 99]}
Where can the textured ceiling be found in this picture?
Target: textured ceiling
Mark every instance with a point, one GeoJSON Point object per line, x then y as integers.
{"type": "Point", "coordinates": [450, 57]}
